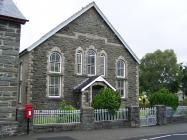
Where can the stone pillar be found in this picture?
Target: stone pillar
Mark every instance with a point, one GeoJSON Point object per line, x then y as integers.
{"type": "Point", "coordinates": [134, 116]}
{"type": "Point", "coordinates": [85, 99]}
{"type": "Point", "coordinates": [87, 118]}
{"type": "Point", "coordinates": [161, 114]}
{"type": "Point", "coordinates": [9, 54]}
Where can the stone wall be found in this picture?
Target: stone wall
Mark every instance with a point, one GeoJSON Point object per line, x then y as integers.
{"type": "Point", "coordinates": [85, 31]}
{"type": "Point", "coordinates": [177, 119]}
{"type": "Point", "coordinates": [9, 50]}
{"type": "Point", "coordinates": [56, 128]}
{"type": "Point", "coordinates": [8, 128]}
{"type": "Point", "coordinates": [112, 124]}
{"type": "Point", "coordinates": [88, 123]}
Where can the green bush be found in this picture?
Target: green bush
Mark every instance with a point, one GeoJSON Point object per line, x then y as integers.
{"type": "Point", "coordinates": [65, 117]}
{"type": "Point", "coordinates": [65, 106]}
{"type": "Point", "coordinates": [164, 97]}
{"type": "Point", "coordinates": [107, 99]}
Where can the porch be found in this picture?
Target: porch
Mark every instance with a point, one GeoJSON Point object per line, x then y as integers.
{"type": "Point", "coordinates": [89, 89]}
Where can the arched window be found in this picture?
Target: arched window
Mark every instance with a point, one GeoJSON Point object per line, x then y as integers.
{"type": "Point", "coordinates": [102, 64]}
{"type": "Point", "coordinates": [79, 62]}
{"type": "Point", "coordinates": [55, 62]}
{"type": "Point", "coordinates": [91, 63]}
{"type": "Point", "coordinates": [54, 77]}
{"type": "Point", "coordinates": [120, 68]}
{"type": "Point", "coordinates": [121, 75]}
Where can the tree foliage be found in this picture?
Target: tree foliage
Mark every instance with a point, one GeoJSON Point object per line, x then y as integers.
{"type": "Point", "coordinates": [184, 79]}
{"type": "Point", "coordinates": [159, 70]}
{"type": "Point", "coordinates": [164, 97]}
{"type": "Point", "coordinates": [107, 99]}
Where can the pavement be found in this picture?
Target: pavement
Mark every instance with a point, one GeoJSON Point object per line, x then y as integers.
{"type": "Point", "coordinates": [106, 134]}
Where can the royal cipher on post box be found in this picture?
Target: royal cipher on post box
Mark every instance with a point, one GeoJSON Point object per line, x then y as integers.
{"type": "Point", "coordinates": [28, 111]}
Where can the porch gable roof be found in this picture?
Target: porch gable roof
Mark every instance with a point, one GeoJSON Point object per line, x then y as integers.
{"type": "Point", "coordinates": [89, 81]}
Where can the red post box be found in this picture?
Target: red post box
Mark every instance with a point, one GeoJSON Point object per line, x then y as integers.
{"type": "Point", "coordinates": [28, 111]}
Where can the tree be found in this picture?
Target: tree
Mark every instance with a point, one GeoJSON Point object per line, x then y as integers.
{"type": "Point", "coordinates": [184, 79]}
{"type": "Point", "coordinates": [159, 70]}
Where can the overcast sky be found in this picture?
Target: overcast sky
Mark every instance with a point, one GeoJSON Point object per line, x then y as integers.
{"type": "Point", "coordinates": [146, 25]}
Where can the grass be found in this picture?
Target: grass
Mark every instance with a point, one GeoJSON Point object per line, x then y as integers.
{"type": "Point", "coordinates": [45, 120]}
{"type": "Point", "coordinates": [70, 118]}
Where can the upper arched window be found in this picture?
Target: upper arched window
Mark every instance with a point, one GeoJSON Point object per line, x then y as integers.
{"type": "Point", "coordinates": [120, 68]}
{"type": "Point", "coordinates": [55, 62]}
{"type": "Point", "coordinates": [91, 62]}
{"type": "Point", "coordinates": [79, 62]}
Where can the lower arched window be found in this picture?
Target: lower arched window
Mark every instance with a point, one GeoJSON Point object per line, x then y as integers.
{"type": "Point", "coordinates": [79, 62]}
{"type": "Point", "coordinates": [91, 63]}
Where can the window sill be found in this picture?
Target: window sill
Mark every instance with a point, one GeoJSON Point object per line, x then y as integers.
{"type": "Point", "coordinates": [124, 98]}
{"type": "Point", "coordinates": [79, 74]}
{"type": "Point", "coordinates": [90, 75]}
{"type": "Point", "coordinates": [118, 77]}
{"type": "Point", "coordinates": [55, 98]}
{"type": "Point", "coordinates": [49, 73]}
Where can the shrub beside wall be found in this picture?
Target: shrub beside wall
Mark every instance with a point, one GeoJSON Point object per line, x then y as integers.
{"type": "Point", "coordinates": [164, 97]}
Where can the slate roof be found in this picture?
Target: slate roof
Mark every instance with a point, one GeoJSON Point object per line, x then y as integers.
{"type": "Point", "coordinates": [9, 11]}
{"type": "Point", "coordinates": [89, 81]}
{"type": "Point", "coordinates": [84, 83]}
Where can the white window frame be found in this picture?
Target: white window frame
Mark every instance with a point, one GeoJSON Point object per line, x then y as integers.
{"type": "Point", "coordinates": [59, 95]}
{"type": "Point", "coordinates": [21, 72]}
{"type": "Point", "coordinates": [123, 95]}
{"type": "Point", "coordinates": [77, 64]}
{"type": "Point", "coordinates": [104, 65]}
{"type": "Point", "coordinates": [20, 96]}
{"type": "Point", "coordinates": [54, 73]}
{"type": "Point", "coordinates": [90, 64]}
{"type": "Point", "coordinates": [117, 69]}
{"type": "Point", "coordinates": [55, 62]}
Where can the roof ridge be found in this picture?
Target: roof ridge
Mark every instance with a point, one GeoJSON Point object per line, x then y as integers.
{"type": "Point", "coordinates": [73, 17]}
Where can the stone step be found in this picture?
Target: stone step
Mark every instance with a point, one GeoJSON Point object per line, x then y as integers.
{"type": "Point", "coordinates": [7, 119]}
{"type": "Point", "coordinates": [4, 104]}
{"type": "Point", "coordinates": [7, 113]}
{"type": "Point", "coordinates": [6, 116]}
{"type": "Point", "coordinates": [7, 109]}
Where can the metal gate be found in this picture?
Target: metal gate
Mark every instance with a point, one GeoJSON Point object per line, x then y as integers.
{"type": "Point", "coordinates": [148, 116]}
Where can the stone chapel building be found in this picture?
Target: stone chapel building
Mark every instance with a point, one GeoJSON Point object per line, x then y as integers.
{"type": "Point", "coordinates": [75, 60]}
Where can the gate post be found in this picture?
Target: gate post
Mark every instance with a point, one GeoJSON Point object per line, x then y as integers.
{"type": "Point", "coordinates": [161, 114]}
{"type": "Point", "coordinates": [87, 118]}
{"type": "Point", "coordinates": [134, 116]}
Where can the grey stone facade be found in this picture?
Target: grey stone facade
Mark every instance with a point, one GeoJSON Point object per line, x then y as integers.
{"type": "Point", "coordinates": [9, 46]}
{"type": "Point", "coordinates": [87, 31]}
